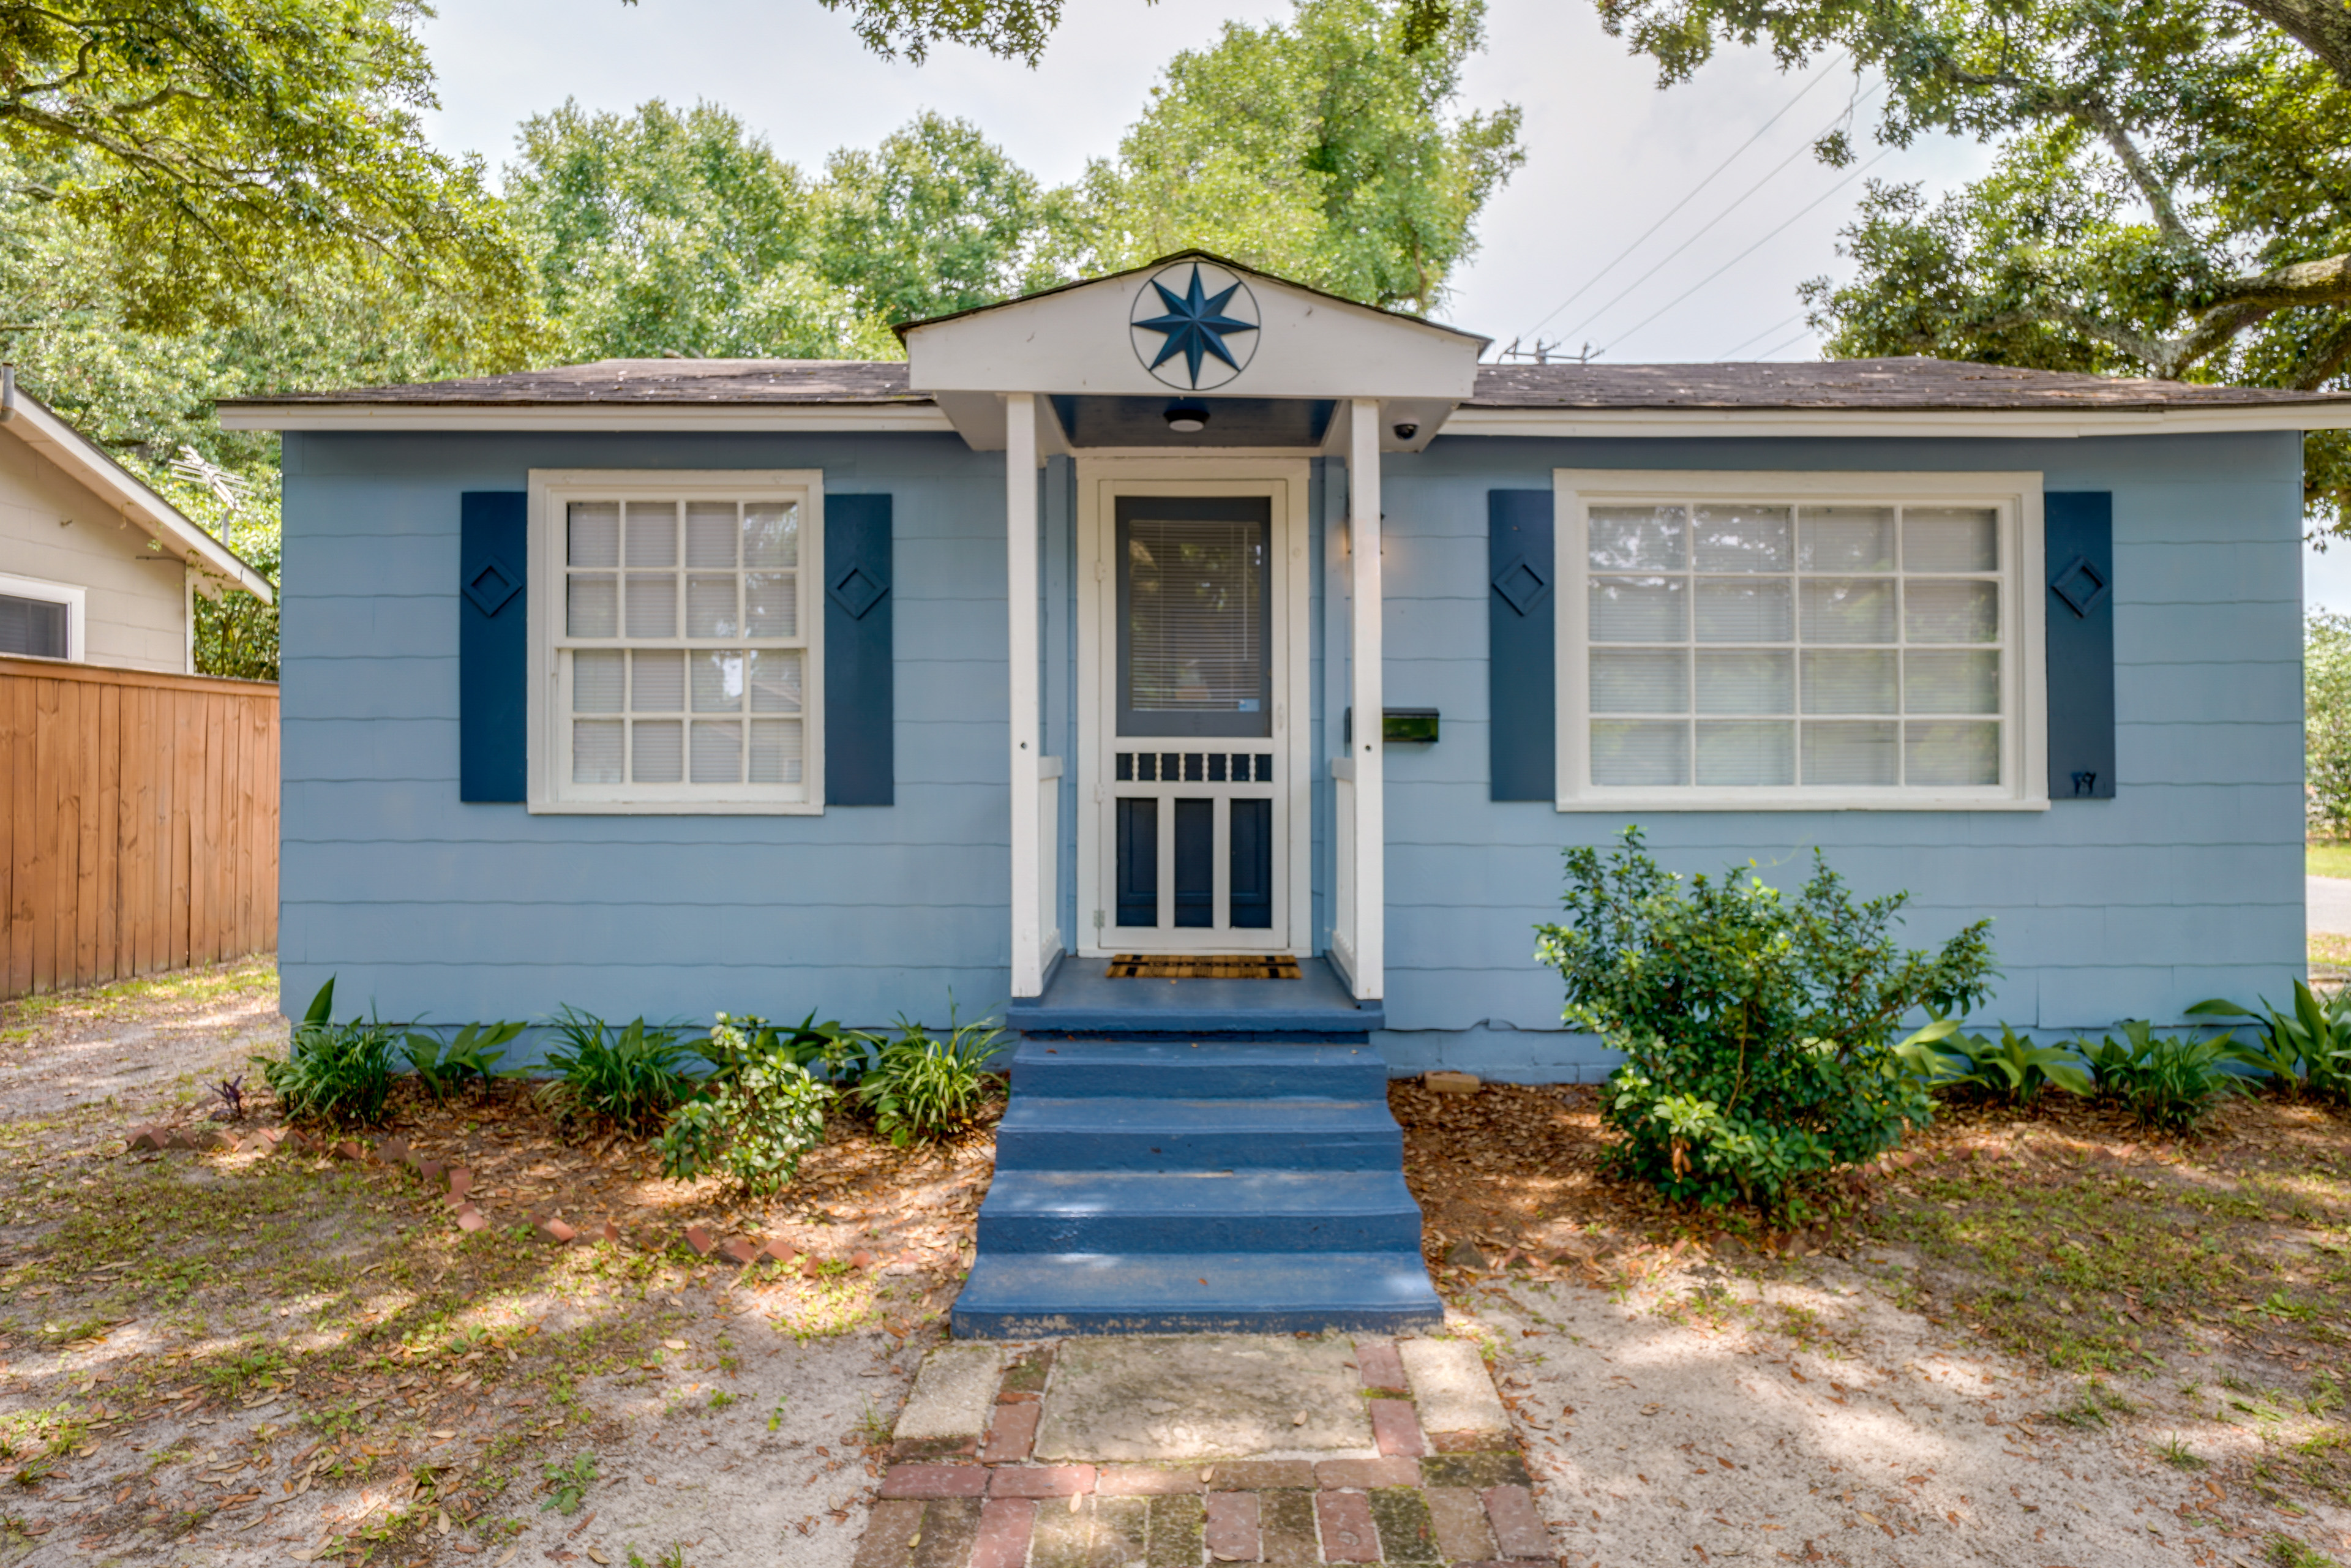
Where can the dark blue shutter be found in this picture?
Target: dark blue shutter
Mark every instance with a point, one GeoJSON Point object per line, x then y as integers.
{"type": "Point", "coordinates": [860, 726]}
{"type": "Point", "coordinates": [2078, 538]}
{"type": "Point", "coordinates": [493, 646]}
{"type": "Point", "coordinates": [1521, 673]}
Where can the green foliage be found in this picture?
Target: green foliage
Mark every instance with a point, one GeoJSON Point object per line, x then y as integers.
{"type": "Point", "coordinates": [920, 1089]}
{"type": "Point", "coordinates": [339, 1073]}
{"type": "Point", "coordinates": [1324, 149]}
{"type": "Point", "coordinates": [2170, 195]}
{"type": "Point", "coordinates": [1013, 29]}
{"type": "Point", "coordinates": [567, 1485]}
{"type": "Point", "coordinates": [661, 233]}
{"type": "Point", "coordinates": [2305, 1049]}
{"type": "Point", "coordinates": [2013, 1068]}
{"type": "Point", "coordinates": [470, 1057]}
{"type": "Point", "coordinates": [754, 1119]}
{"type": "Point", "coordinates": [631, 1076]}
{"type": "Point", "coordinates": [2327, 719]}
{"type": "Point", "coordinates": [217, 145]}
{"type": "Point", "coordinates": [831, 1054]}
{"type": "Point", "coordinates": [1757, 1032]}
{"type": "Point", "coordinates": [2170, 1082]}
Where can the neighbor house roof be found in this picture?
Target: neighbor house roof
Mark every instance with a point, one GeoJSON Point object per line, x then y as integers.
{"type": "Point", "coordinates": [1842, 396]}
{"type": "Point", "coordinates": [79, 458]}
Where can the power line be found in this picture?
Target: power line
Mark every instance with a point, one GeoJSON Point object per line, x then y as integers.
{"type": "Point", "coordinates": [1700, 233]}
{"type": "Point", "coordinates": [1775, 327]}
{"type": "Point", "coordinates": [1751, 250]}
{"type": "Point", "coordinates": [1789, 344]}
{"type": "Point", "coordinates": [1692, 196]}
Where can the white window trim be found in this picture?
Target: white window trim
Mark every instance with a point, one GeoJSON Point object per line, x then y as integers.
{"type": "Point", "coordinates": [550, 489]}
{"type": "Point", "coordinates": [74, 597]}
{"type": "Point", "coordinates": [2023, 729]}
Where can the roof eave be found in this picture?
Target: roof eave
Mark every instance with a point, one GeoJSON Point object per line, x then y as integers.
{"type": "Point", "coordinates": [1569, 420]}
{"type": "Point", "coordinates": [916, 414]}
{"type": "Point", "coordinates": [39, 425]}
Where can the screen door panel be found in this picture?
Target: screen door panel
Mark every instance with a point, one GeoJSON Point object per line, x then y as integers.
{"type": "Point", "coordinates": [1193, 761]}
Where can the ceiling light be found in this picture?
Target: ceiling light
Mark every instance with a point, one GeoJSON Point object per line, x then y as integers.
{"type": "Point", "coordinates": [1186, 418]}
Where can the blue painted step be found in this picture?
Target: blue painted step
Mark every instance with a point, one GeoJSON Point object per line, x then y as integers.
{"type": "Point", "coordinates": [1206, 1070]}
{"type": "Point", "coordinates": [1106, 1133]}
{"type": "Point", "coordinates": [1035, 1296]}
{"type": "Point", "coordinates": [1248, 1211]}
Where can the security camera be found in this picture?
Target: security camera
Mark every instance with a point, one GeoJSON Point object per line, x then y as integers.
{"type": "Point", "coordinates": [1406, 431]}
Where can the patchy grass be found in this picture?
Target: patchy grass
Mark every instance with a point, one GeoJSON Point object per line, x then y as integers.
{"type": "Point", "coordinates": [149, 997]}
{"type": "Point", "coordinates": [2326, 857]}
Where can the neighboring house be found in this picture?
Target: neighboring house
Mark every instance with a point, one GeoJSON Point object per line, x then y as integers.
{"type": "Point", "coordinates": [664, 687]}
{"type": "Point", "coordinates": [95, 567]}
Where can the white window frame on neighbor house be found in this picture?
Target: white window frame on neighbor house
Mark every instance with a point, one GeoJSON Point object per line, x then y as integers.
{"type": "Point", "coordinates": [74, 597]}
{"type": "Point", "coordinates": [552, 789]}
{"type": "Point", "coordinates": [2016, 497]}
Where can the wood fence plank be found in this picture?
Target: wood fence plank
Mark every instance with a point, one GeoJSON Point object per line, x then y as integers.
{"type": "Point", "coordinates": [90, 703]}
{"type": "Point", "coordinates": [23, 816]}
{"type": "Point", "coordinates": [49, 749]}
{"type": "Point", "coordinates": [9, 893]}
{"type": "Point", "coordinates": [138, 807]}
{"type": "Point", "coordinates": [272, 817]}
{"type": "Point", "coordinates": [187, 803]}
{"type": "Point", "coordinates": [106, 962]}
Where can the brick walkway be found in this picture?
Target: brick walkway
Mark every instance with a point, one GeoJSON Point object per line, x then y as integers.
{"type": "Point", "coordinates": [1429, 1498]}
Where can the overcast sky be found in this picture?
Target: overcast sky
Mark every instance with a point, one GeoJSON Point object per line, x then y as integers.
{"type": "Point", "coordinates": [1608, 154]}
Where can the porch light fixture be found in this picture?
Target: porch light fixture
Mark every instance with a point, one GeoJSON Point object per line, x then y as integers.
{"type": "Point", "coordinates": [1186, 417]}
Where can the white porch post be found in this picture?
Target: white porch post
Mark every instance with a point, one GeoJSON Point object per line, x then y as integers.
{"type": "Point", "coordinates": [1020, 613]}
{"type": "Point", "coordinates": [1370, 848]}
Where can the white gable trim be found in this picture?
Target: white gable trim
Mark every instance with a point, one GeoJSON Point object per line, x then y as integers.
{"type": "Point", "coordinates": [31, 421]}
{"type": "Point", "coordinates": [1080, 340]}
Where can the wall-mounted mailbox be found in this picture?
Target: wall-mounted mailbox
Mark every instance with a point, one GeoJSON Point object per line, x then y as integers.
{"type": "Point", "coordinates": [1413, 726]}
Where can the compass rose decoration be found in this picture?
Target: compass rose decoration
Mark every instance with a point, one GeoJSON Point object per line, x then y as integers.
{"type": "Point", "coordinates": [1194, 325]}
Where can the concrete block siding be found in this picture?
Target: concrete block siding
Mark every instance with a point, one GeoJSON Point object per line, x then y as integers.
{"type": "Point", "coordinates": [2188, 884]}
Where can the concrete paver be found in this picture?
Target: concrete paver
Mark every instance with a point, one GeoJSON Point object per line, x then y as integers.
{"type": "Point", "coordinates": [1209, 1395]}
{"type": "Point", "coordinates": [1451, 1386]}
{"type": "Point", "coordinates": [952, 1393]}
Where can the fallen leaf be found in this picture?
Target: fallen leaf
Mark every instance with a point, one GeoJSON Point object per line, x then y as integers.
{"type": "Point", "coordinates": [674, 1345]}
{"type": "Point", "coordinates": [596, 1554]}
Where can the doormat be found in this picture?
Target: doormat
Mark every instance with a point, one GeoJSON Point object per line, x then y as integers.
{"type": "Point", "coordinates": [1202, 967]}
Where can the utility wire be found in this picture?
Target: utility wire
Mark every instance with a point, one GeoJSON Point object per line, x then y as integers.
{"type": "Point", "coordinates": [1789, 344]}
{"type": "Point", "coordinates": [1700, 233]}
{"type": "Point", "coordinates": [1751, 250]}
{"type": "Point", "coordinates": [1692, 196]}
{"type": "Point", "coordinates": [1775, 327]}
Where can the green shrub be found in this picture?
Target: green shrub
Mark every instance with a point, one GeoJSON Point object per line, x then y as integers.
{"type": "Point", "coordinates": [631, 1076]}
{"type": "Point", "coordinates": [2326, 720]}
{"type": "Point", "coordinates": [2013, 1068]}
{"type": "Point", "coordinates": [2170, 1082]}
{"type": "Point", "coordinates": [336, 1072]}
{"type": "Point", "coordinates": [755, 1117]}
{"type": "Point", "coordinates": [471, 1057]}
{"type": "Point", "coordinates": [830, 1054]}
{"type": "Point", "coordinates": [1759, 1033]}
{"type": "Point", "coordinates": [922, 1088]}
{"type": "Point", "coordinates": [2307, 1049]}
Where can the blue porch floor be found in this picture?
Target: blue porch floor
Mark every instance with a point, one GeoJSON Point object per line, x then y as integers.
{"type": "Point", "coordinates": [1081, 999]}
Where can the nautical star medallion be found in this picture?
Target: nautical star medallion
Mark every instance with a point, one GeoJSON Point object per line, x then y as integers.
{"type": "Point", "coordinates": [1194, 325]}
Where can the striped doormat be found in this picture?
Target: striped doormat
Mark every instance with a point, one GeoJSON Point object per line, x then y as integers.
{"type": "Point", "coordinates": [1203, 967]}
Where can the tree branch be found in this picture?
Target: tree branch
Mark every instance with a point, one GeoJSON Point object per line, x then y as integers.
{"type": "Point", "coordinates": [2322, 26]}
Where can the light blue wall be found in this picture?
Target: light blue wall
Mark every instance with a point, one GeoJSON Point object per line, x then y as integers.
{"type": "Point", "coordinates": [430, 908]}
{"type": "Point", "coordinates": [2187, 885]}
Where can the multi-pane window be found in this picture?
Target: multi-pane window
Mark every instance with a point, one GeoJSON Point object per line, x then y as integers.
{"type": "Point", "coordinates": [683, 653]}
{"type": "Point", "coordinates": [1844, 647]}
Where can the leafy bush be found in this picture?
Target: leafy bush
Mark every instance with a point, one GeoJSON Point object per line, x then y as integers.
{"type": "Point", "coordinates": [1757, 1032]}
{"type": "Point", "coordinates": [335, 1073]}
{"type": "Point", "coordinates": [2307, 1049]}
{"type": "Point", "coordinates": [919, 1088]}
{"type": "Point", "coordinates": [633, 1077]}
{"type": "Point", "coordinates": [2015, 1068]}
{"type": "Point", "coordinates": [830, 1054]}
{"type": "Point", "coordinates": [2170, 1082]}
{"type": "Point", "coordinates": [472, 1057]}
{"type": "Point", "coordinates": [755, 1116]}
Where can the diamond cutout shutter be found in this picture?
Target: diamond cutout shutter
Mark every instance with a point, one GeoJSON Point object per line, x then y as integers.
{"type": "Point", "coordinates": [2078, 552]}
{"type": "Point", "coordinates": [1521, 677]}
{"type": "Point", "coordinates": [493, 647]}
{"type": "Point", "coordinates": [860, 683]}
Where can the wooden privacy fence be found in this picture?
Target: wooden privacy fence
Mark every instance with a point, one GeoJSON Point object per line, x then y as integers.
{"type": "Point", "coordinates": [142, 824]}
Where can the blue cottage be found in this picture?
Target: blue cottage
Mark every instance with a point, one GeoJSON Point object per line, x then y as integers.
{"type": "Point", "coordinates": [667, 686]}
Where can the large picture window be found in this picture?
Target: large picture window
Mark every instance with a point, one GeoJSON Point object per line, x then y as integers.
{"type": "Point", "coordinates": [1801, 640]}
{"type": "Point", "coordinates": [681, 650]}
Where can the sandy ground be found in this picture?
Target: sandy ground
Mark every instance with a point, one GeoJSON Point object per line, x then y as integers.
{"type": "Point", "coordinates": [1707, 1416]}
{"type": "Point", "coordinates": [134, 1059]}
